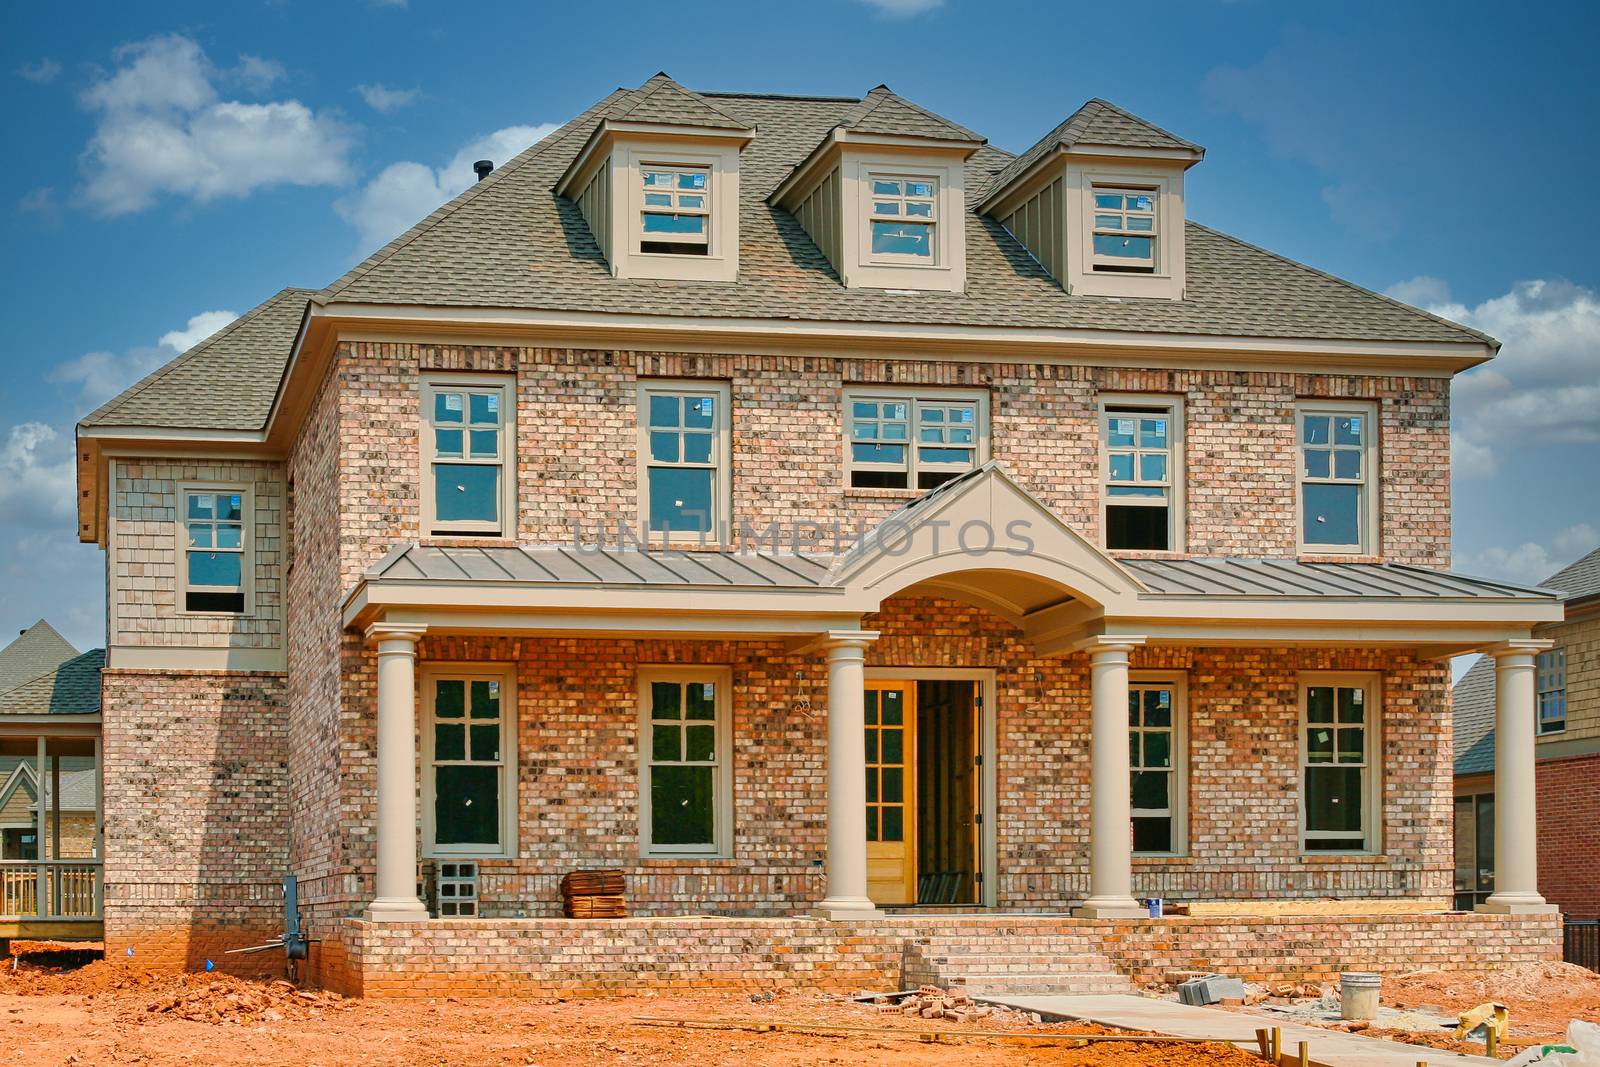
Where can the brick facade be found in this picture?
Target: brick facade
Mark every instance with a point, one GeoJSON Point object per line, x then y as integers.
{"type": "Point", "coordinates": [1569, 833]}
{"type": "Point", "coordinates": [598, 958]}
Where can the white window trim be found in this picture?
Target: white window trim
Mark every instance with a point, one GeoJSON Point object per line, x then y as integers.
{"type": "Point", "coordinates": [1106, 264]}
{"type": "Point", "coordinates": [722, 477]}
{"type": "Point", "coordinates": [721, 260]}
{"type": "Point", "coordinates": [506, 675]}
{"type": "Point", "coordinates": [911, 396]}
{"type": "Point", "coordinates": [1167, 281]}
{"type": "Point", "coordinates": [468, 382]}
{"type": "Point", "coordinates": [1372, 792]}
{"type": "Point", "coordinates": [707, 212]}
{"type": "Point", "coordinates": [1369, 505]}
{"type": "Point", "coordinates": [1550, 667]}
{"type": "Point", "coordinates": [723, 808]}
{"type": "Point", "coordinates": [1177, 464]}
{"type": "Point", "coordinates": [247, 565]}
{"type": "Point", "coordinates": [934, 223]}
{"type": "Point", "coordinates": [1178, 681]}
{"type": "Point", "coordinates": [946, 269]}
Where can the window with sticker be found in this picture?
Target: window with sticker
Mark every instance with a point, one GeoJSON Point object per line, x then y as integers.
{"type": "Point", "coordinates": [675, 213]}
{"type": "Point", "coordinates": [1338, 451]}
{"type": "Point", "coordinates": [467, 441]}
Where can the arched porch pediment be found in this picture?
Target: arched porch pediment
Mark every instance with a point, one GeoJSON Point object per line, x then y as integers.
{"type": "Point", "coordinates": [987, 537]}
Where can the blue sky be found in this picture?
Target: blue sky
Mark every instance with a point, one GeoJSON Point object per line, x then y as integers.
{"type": "Point", "coordinates": [166, 166]}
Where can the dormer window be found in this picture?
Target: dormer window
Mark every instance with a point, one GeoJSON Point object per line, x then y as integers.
{"type": "Point", "coordinates": [905, 218]}
{"type": "Point", "coordinates": [1125, 234]}
{"type": "Point", "coordinates": [675, 217]}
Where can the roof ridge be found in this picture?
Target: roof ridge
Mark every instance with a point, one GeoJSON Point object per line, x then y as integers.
{"type": "Point", "coordinates": [191, 353]}
{"type": "Point", "coordinates": [57, 669]}
{"type": "Point", "coordinates": [885, 95]}
{"type": "Point", "coordinates": [1281, 258]}
{"type": "Point", "coordinates": [663, 81]}
{"type": "Point", "coordinates": [733, 94]}
{"type": "Point", "coordinates": [1125, 113]}
{"type": "Point", "coordinates": [522, 159]}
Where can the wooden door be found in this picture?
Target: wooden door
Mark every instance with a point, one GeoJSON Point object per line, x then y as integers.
{"type": "Point", "coordinates": [891, 717]}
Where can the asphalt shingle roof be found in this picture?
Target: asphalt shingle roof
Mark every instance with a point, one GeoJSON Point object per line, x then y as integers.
{"type": "Point", "coordinates": [1098, 122]}
{"type": "Point", "coordinates": [1472, 701]}
{"type": "Point", "coordinates": [883, 111]}
{"type": "Point", "coordinates": [37, 650]}
{"type": "Point", "coordinates": [510, 242]}
{"type": "Point", "coordinates": [226, 382]}
{"type": "Point", "coordinates": [1579, 579]}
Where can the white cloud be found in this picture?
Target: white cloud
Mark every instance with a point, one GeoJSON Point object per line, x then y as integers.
{"type": "Point", "coordinates": [41, 72]}
{"type": "Point", "coordinates": [200, 327]}
{"type": "Point", "coordinates": [1544, 386]}
{"type": "Point", "coordinates": [405, 193]}
{"type": "Point", "coordinates": [902, 9]}
{"type": "Point", "coordinates": [383, 99]}
{"type": "Point", "coordinates": [1530, 562]}
{"type": "Point", "coordinates": [161, 128]}
{"type": "Point", "coordinates": [36, 476]}
{"type": "Point", "coordinates": [101, 375]}
{"type": "Point", "coordinates": [259, 74]}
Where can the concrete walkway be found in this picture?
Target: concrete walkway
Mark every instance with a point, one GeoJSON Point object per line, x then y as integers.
{"type": "Point", "coordinates": [1182, 1020]}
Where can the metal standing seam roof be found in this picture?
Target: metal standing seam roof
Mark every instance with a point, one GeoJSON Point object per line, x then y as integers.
{"type": "Point", "coordinates": [609, 565]}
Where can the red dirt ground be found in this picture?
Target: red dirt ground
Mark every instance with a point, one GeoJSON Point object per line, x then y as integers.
{"type": "Point", "coordinates": [63, 1010]}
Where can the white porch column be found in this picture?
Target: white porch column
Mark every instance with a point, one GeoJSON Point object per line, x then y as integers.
{"type": "Point", "coordinates": [396, 899]}
{"type": "Point", "coordinates": [1110, 803]}
{"type": "Point", "coordinates": [847, 791]}
{"type": "Point", "coordinates": [1516, 827]}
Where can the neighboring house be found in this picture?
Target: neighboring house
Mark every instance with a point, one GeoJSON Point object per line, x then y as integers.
{"type": "Point", "coordinates": [1567, 742]}
{"type": "Point", "coordinates": [49, 751]}
{"type": "Point", "coordinates": [814, 511]}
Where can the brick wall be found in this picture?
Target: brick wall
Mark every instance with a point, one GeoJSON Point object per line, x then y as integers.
{"type": "Point", "coordinates": [195, 802]}
{"type": "Point", "coordinates": [1569, 833]}
{"type": "Point", "coordinates": [609, 958]}
{"type": "Point", "coordinates": [143, 602]}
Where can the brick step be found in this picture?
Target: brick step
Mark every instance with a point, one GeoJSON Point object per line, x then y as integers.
{"type": "Point", "coordinates": [1067, 984]}
{"type": "Point", "coordinates": [1007, 961]}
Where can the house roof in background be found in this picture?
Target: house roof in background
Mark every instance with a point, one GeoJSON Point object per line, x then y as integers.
{"type": "Point", "coordinates": [1472, 702]}
{"type": "Point", "coordinates": [37, 650]}
{"type": "Point", "coordinates": [509, 243]}
{"type": "Point", "coordinates": [1578, 579]}
{"type": "Point", "coordinates": [72, 688]}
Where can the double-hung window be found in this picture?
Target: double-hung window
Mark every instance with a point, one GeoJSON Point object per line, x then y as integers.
{"type": "Point", "coordinates": [1157, 756]}
{"type": "Point", "coordinates": [913, 441]}
{"type": "Point", "coordinates": [1124, 230]}
{"type": "Point", "coordinates": [684, 480]}
{"type": "Point", "coordinates": [468, 447]}
{"type": "Point", "coordinates": [1142, 472]}
{"type": "Point", "coordinates": [1338, 457]}
{"type": "Point", "coordinates": [1551, 680]}
{"type": "Point", "coordinates": [685, 762]}
{"type": "Point", "coordinates": [469, 759]}
{"type": "Point", "coordinates": [215, 558]}
{"type": "Point", "coordinates": [904, 219]}
{"type": "Point", "coordinates": [675, 214]}
{"type": "Point", "coordinates": [1338, 776]}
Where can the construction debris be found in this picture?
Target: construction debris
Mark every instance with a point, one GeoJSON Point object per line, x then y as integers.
{"type": "Point", "coordinates": [931, 1002]}
{"type": "Point", "coordinates": [594, 895]}
{"type": "Point", "coordinates": [1212, 989]}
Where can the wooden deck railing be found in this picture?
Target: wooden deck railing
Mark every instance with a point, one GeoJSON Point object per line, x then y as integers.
{"type": "Point", "coordinates": [70, 889]}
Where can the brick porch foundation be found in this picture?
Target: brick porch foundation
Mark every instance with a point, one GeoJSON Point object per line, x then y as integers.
{"type": "Point", "coordinates": [545, 957]}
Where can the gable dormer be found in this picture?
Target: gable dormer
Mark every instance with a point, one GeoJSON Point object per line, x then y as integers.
{"type": "Point", "coordinates": [1099, 202]}
{"type": "Point", "coordinates": [658, 184]}
{"type": "Point", "coordinates": [884, 196]}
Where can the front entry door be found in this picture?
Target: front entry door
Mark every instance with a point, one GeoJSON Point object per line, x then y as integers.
{"type": "Point", "coordinates": [891, 717]}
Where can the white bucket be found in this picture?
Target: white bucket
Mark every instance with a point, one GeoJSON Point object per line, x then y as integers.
{"type": "Point", "coordinates": [1359, 995]}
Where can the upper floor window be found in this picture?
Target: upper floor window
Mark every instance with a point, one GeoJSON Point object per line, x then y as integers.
{"type": "Point", "coordinates": [469, 756]}
{"type": "Point", "coordinates": [1551, 671]}
{"type": "Point", "coordinates": [675, 216]}
{"type": "Point", "coordinates": [1157, 757]}
{"type": "Point", "coordinates": [686, 762]}
{"type": "Point", "coordinates": [904, 217]}
{"type": "Point", "coordinates": [1338, 452]}
{"type": "Point", "coordinates": [215, 535]}
{"type": "Point", "coordinates": [1142, 472]}
{"type": "Point", "coordinates": [1338, 779]}
{"type": "Point", "coordinates": [898, 440]}
{"type": "Point", "coordinates": [1125, 236]}
{"type": "Point", "coordinates": [467, 446]}
{"type": "Point", "coordinates": [684, 481]}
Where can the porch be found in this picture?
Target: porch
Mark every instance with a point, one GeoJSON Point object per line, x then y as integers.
{"type": "Point", "coordinates": [615, 660]}
{"type": "Point", "coordinates": [51, 878]}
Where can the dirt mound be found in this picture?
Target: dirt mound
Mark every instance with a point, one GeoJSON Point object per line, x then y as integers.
{"type": "Point", "coordinates": [1542, 997]}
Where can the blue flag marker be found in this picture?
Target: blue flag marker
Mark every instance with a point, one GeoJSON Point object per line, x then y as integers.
{"type": "Point", "coordinates": [130, 950]}
{"type": "Point", "coordinates": [209, 965]}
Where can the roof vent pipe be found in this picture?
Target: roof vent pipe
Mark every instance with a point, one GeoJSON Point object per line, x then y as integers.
{"type": "Point", "coordinates": [483, 168]}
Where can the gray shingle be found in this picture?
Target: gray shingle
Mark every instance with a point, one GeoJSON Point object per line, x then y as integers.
{"type": "Point", "coordinates": [226, 382]}
{"type": "Point", "coordinates": [38, 650]}
{"type": "Point", "coordinates": [1097, 122]}
{"type": "Point", "coordinates": [1472, 703]}
{"type": "Point", "coordinates": [882, 111]}
{"type": "Point", "coordinates": [664, 101]}
{"type": "Point", "coordinates": [509, 242]}
{"type": "Point", "coordinates": [1579, 579]}
{"type": "Point", "coordinates": [73, 688]}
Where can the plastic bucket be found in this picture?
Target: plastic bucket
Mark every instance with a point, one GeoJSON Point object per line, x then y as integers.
{"type": "Point", "coordinates": [1359, 995]}
{"type": "Point", "coordinates": [1153, 905]}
